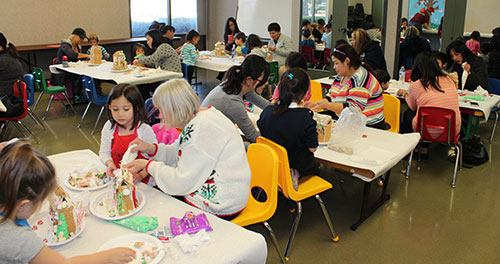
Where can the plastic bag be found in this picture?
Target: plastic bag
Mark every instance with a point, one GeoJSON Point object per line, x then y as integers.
{"type": "Point", "coordinates": [348, 129]}
{"type": "Point", "coordinates": [139, 223]}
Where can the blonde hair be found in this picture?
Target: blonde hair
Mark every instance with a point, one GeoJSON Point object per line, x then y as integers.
{"type": "Point", "coordinates": [362, 39]}
{"type": "Point", "coordinates": [412, 32]}
{"type": "Point", "coordinates": [93, 37]}
{"type": "Point", "coordinates": [178, 102]}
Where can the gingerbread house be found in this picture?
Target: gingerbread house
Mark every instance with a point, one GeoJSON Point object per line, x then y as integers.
{"type": "Point", "coordinates": [125, 196]}
{"type": "Point", "coordinates": [63, 216]}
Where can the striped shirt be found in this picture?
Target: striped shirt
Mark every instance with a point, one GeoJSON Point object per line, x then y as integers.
{"type": "Point", "coordinates": [103, 52]}
{"type": "Point", "coordinates": [361, 91]}
{"type": "Point", "coordinates": [418, 96]}
{"type": "Point", "coordinates": [189, 54]}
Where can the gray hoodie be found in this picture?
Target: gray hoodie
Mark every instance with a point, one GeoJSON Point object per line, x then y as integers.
{"type": "Point", "coordinates": [66, 49]}
{"type": "Point", "coordinates": [262, 52]}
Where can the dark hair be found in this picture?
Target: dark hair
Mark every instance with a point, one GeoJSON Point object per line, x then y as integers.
{"type": "Point", "coordinates": [306, 23]}
{"type": "Point", "coordinates": [328, 25]}
{"type": "Point", "coordinates": [24, 175]}
{"type": "Point", "coordinates": [442, 57]}
{"type": "Point", "coordinates": [495, 42]}
{"type": "Point", "coordinates": [321, 21]}
{"type": "Point", "coordinates": [165, 28]}
{"type": "Point", "coordinates": [382, 76]}
{"type": "Point", "coordinates": [228, 31]}
{"type": "Point", "coordinates": [293, 86]}
{"type": "Point", "coordinates": [341, 42]}
{"type": "Point", "coordinates": [192, 34]}
{"type": "Point", "coordinates": [486, 48]}
{"type": "Point", "coordinates": [241, 35]}
{"type": "Point", "coordinates": [426, 69]}
{"type": "Point", "coordinates": [475, 35]}
{"type": "Point", "coordinates": [133, 95]}
{"type": "Point", "coordinates": [157, 38]}
{"type": "Point", "coordinates": [296, 60]}
{"type": "Point", "coordinates": [496, 31]}
{"type": "Point", "coordinates": [404, 20]}
{"type": "Point", "coordinates": [349, 52]}
{"type": "Point", "coordinates": [253, 66]}
{"type": "Point", "coordinates": [154, 25]}
{"type": "Point", "coordinates": [139, 45]}
{"type": "Point", "coordinates": [8, 47]}
{"type": "Point", "coordinates": [253, 41]}
{"type": "Point", "coordinates": [459, 47]}
{"type": "Point", "coordinates": [306, 33]}
{"type": "Point", "coordinates": [274, 27]}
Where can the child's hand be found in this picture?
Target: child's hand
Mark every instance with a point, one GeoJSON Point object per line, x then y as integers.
{"type": "Point", "coordinates": [135, 62]}
{"type": "Point", "coordinates": [272, 48]}
{"type": "Point", "coordinates": [111, 168]}
{"type": "Point", "coordinates": [106, 56]}
{"type": "Point", "coordinates": [310, 104]}
{"type": "Point", "coordinates": [143, 146]}
{"type": "Point", "coordinates": [119, 255]}
{"type": "Point", "coordinates": [402, 93]}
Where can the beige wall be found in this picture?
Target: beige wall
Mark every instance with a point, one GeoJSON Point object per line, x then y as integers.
{"type": "Point", "coordinates": [482, 16]}
{"type": "Point", "coordinates": [218, 12]}
{"type": "Point", "coordinates": [31, 22]}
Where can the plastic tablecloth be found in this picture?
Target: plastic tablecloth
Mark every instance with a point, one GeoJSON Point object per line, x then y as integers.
{"type": "Point", "coordinates": [229, 243]}
{"type": "Point", "coordinates": [103, 72]}
{"type": "Point", "coordinates": [219, 64]}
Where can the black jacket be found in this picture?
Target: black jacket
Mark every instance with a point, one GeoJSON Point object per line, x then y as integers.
{"type": "Point", "coordinates": [494, 65]}
{"type": "Point", "coordinates": [478, 74]}
{"type": "Point", "coordinates": [372, 54]}
{"type": "Point", "coordinates": [410, 48]}
{"type": "Point", "coordinates": [66, 49]}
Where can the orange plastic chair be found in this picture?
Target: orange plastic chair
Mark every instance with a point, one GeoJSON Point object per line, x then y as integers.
{"type": "Point", "coordinates": [316, 91]}
{"type": "Point", "coordinates": [392, 112]}
{"type": "Point", "coordinates": [309, 186]}
{"type": "Point", "coordinates": [264, 165]}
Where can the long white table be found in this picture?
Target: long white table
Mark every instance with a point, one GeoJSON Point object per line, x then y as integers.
{"type": "Point", "coordinates": [218, 64]}
{"type": "Point", "coordinates": [103, 72]}
{"type": "Point", "coordinates": [229, 243]}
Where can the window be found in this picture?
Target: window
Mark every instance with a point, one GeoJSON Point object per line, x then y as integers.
{"type": "Point", "coordinates": [181, 14]}
{"type": "Point", "coordinates": [313, 10]}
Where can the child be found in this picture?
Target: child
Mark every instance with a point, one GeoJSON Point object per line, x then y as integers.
{"type": "Point", "coordinates": [255, 46]}
{"type": "Point", "coordinates": [139, 50]}
{"type": "Point", "coordinates": [292, 126]}
{"type": "Point", "coordinates": [126, 114]}
{"type": "Point", "coordinates": [443, 62]}
{"type": "Point", "coordinates": [486, 49]}
{"type": "Point", "coordinates": [239, 40]}
{"type": "Point", "coordinates": [473, 43]}
{"type": "Point", "coordinates": [307, 40]}
{"type": "Point", "coordinates": [294, 60]}
{"type": "Point", "coordinates": [94, 41]}
{"type": "Point", "coordinates": [189, 53]}
{"type": "Point", "coordinates": [26, 179]}
{"type": "Point", "coordinates": [383, 78]}
{"type": "Point", "coordinates": [327, 36]}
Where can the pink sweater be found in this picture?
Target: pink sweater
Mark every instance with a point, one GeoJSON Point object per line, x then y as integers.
{"type": "Point", "coordinates": [474, 46]}
{"type": "Point", "coordinates": [418, 96]}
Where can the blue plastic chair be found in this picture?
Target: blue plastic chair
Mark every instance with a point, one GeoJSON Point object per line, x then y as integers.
{"type": "Point", "coordinates": [30, 84]}
{"type": "Point", "coordinates": [148, 103]}
{"type": "Point", "coordinates": [90, 92]}
{"type": "Point", "coordinates": [494, 89]}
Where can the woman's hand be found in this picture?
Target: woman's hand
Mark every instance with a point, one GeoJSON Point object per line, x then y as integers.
{"type": "Point", "coordinates": [111, 168]}
{"type": "Point", "coordinates": [466, 67]}
{"type": "Point", "coordinates": [119, 255]}
{"type": "Point", "coordinates": [137, 168]}
{"type": "Point", "coordinates": [143, 146]}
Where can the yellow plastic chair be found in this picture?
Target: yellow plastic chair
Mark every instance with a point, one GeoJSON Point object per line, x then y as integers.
{"type": "Point", "coordinates": [316, 91]}
{"type": "Point", "coordinates": [264, 165]}
{"type": "Point", "coordinates": [392, 112]}
{"type": "Point", "coordinates": [309, 186]}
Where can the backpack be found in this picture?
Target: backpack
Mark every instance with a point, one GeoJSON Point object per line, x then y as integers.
{"type": "Point", "coordinates": [474, 153]}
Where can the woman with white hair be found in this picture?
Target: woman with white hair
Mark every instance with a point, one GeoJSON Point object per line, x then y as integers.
{"type": "Point", "coordinates": [207, 164]}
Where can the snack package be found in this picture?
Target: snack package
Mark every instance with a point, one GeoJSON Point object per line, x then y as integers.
{"type": "Point", "coordinates": [324, 125]}
{"type": "Point", "coordinates": [348, 130]}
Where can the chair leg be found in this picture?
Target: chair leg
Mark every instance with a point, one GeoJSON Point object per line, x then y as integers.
{"type": "Point", "coordinates": [335, 237]}
{"type": "Point", "coordinates": [48, 107]}
{"type": "Point", "coordinates": [295, 225]}
{"type": "Point", "coordinates": [37, 100]}
{"type": "Point", "coordinates": [457, 149]}
{"type": "Point", "coordinates": [407, 174]}
{"type": "Point", "coordinates": [97, 121]}
{"type": "Point", "coordinates": [275, 241]}
{"type": "Point", "coordinates": [19, 129]}
{"type": "Point", "coordinates": [3, 129]}
{"type": "Point", "coordinates": [84, 114]}
{"type": "Point", "coordinates": [36, 119]}
{"type": "Point", "coordinates": [29, 131]}
{"type": "Point", "coordinates": [67, 100]}
{"type": "Point", "coordinates": [494, 126]}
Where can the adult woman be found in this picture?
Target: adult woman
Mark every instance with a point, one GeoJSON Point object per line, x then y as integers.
{"type": "Point", "coordinates": [494, 58]}
{"type": "Point", "coordinates": [211, 172]}
{"type": "Point", "coordinates": [429, 87]}
{"type": "Point", "coordinates": [164, 56]}
{"type": "Point", "coordinates": [230, 31]}
{"type": "Point", "coordinates": [411, 47]}
{"type": "Point", "coordinates": [354, 87]}
{"type": "Point", "coordinates": [241, 81]}
{"type": "Point", "coordinates": [369, 50]}
{"type": "Point", "coordinates": [11, 71]}
{"type": "Point", "coordinates": [71, 47]}
{"type": "Point", "coordinates": [465, 60]}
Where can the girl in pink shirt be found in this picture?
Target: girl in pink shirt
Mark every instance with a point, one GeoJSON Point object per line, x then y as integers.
{"type": "Point", "coordinates": [473, 43]}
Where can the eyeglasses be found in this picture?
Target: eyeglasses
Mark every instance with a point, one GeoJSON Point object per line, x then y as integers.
{"type": "Point", "coordinates": [341, 52]}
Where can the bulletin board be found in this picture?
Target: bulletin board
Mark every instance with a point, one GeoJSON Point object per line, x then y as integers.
{"type": "Point", "coordinates": [416, 5]}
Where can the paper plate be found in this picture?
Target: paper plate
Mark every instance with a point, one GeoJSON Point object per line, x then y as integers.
{"type": "Point", "coordinates": [74, 188]}
{"type": "Point", "coordinates": [129, 241]}
{"type": "Point", "coordinates": [100, 212]}
{"type": "Point", "coordinates": [40, 224]}
{"type": "Point", "coordinates": [126, 70]}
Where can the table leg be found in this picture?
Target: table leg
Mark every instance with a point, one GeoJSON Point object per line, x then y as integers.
{"type": "Point", "coordinates": [467, 130]}
{"type": "Point", "coordinates": [366, 210]}
{"type": "Point", "coordinates": [476, 126]}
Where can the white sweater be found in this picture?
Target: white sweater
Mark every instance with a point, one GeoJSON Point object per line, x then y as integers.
{"type": "Point", "coordinates": [144, 132]}
{"type": "Point", "coordinates": [207, 164]}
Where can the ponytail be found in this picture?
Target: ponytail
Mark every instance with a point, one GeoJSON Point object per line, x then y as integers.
{"type": "Point", "coordinates": [293, 86]}
{"type": "Point", "coordinates": [253, 66]}
{"type": "Point", "coordinates": [12, 50]}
